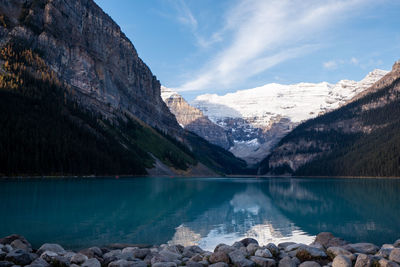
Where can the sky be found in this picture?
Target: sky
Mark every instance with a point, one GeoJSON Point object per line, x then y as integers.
{"type": "Point", "coordinates": [221, 46]}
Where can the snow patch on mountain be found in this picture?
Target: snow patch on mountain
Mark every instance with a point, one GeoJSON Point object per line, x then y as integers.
{"type": "Point", "coordinates": [275, 109]}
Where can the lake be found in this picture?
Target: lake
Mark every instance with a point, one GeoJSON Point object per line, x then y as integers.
{"type": "Point", "coordinates": [83, 212]}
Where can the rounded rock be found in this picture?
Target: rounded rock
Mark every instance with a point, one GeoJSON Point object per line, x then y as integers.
{"type": "Point", "coordinates": [164, 264]}
{"type": "Point", "coordinates": [78, 258]}
{"type": "Point", "coordinates": [248, 240]}
{"type": "Point", "coordinates": [219, 264]}
{"type": "Point", "coordinates": [219, 256]}
{"type": "Point", "coordinates": [310, 264]}
{"type": "Point", "coordinates": [364, 248]}
{"type": "Point", "coordinates": [395, 255]}
{"type": "Point", "coordinates": [19, 257]}
{"type": "Point", "coordinates": [341, 261]}
{"type": "Point", "coordinates": [273, 249]}
{"type": "Point", "coordinates": [265, 253]}
{"type": "Point", "coordinates": [263, 262]}
{"type": "Point", "coordinates": [287, 262]}
{"type": "Point", "coordinates": [252, 248]}
{"type": "Point", "coordinates": [363, 261]}
{"type": "Point", "coordinates": [336, 251]}
{"type": "Point", "coordinates": [93, 262]}
{"type": "Point", "coordinates": [50, 247]}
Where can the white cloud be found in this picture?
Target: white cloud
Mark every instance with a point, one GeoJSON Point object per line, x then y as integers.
{"type": "Point", "coordinates": [185, 15]}
{"type": "Point", "coordinates": [335, 64]}
{"type": "Point", "coordinates": [354, 61]}
{"type": "Point", "coordinates": [330, 65]}
{"type": "Point", "coordinates": [265, 33]}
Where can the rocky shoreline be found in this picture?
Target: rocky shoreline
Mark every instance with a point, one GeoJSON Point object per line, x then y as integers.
{"type": "Point", "coordinates": [326, 250]}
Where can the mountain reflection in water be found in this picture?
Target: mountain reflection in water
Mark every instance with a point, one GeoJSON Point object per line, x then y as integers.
{"type": "Point", "coordinates": [81, 213]}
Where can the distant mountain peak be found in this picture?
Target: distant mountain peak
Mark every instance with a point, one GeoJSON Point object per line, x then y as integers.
{"type": "Point", "coordinates": [258, 118]}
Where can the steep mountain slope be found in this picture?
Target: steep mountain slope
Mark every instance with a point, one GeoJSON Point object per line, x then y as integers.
{"type": "Point", "coordinates": [256, 119]}
{"type": "Point", "coordinates": [193, 119]}
{"type": "Point", "coordinates": [359, 139]}
{"type": "Point", "coordinates": [90, 105]}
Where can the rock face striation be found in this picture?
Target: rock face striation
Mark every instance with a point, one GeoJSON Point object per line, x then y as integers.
{"type": "Point", "coordinates": [90, 53]}
{"type": "Point", "coordinates": [255, 120]}
{"type": "Point", "coordinates": [193, 119]}
{"type": "Point", "coordinates": [69, 63]}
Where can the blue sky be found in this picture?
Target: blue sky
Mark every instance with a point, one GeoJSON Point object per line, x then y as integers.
{"type": "Point", "coordinates": [220, 46]}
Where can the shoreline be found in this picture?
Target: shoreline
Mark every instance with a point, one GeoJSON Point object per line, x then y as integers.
{"type": "Point", "coordinates": [182, 176]}
{"type": "Point", "coordinates": [326, 250]}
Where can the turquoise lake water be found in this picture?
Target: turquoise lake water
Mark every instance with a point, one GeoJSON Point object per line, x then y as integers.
{"type": "Point", "coordinates": [78, 213]}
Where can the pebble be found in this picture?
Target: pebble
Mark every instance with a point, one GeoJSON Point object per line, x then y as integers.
{"type": "Point", "coordinates": [326, 250]}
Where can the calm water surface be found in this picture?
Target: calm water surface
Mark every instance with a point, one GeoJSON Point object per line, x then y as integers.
{"type": "Point", "coordinates": [80, 213]}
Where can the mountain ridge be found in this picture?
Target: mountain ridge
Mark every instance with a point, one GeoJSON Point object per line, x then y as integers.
{"type": "Point", "coordinates": [358, 139]}
{"type": "Point", "coordinates": [256, 119]}
{"type": "Point", "coordinates": [84, 83]}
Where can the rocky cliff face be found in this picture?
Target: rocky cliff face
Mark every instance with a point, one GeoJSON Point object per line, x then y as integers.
{"type": "Point", "coordinates": [88, 51]}
{"type": "Point", "coordinates": [193, 119]}
{"type": "Point", "coordinates": [360, 138]}
{"type": "Point", "coordinates": [257, 119]}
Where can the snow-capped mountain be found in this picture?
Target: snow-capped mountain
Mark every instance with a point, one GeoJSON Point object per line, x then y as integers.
{"type": "Point", "coordinates": [256, 119]}
{"type": "Point", "coordinates": [193, 119]}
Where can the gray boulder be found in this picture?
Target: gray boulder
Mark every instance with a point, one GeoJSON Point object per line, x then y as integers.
{"type": "Point", "coordinates": [327, 240]}
{"type": "Point", "coordinates": [48, 256]}
{"type": "Point", "coordinates": [310, 264]}
{"type": "Point", "coordinates": [59, 261]}
{"type": "Point", "coordinates": [164, 264]}
{"type": "Point", "coordinates": [79, 258]}
{"type": "Point", "coordinates": [93, 262]}
{"type": "Point", "coordinates": [284, 245]}
{"type": "Point", "coordinates": [190, 251]}
{"type": "Point", "coordinates": [252, 248]}
{"type": "Point", "coordinates": [294, 247]}
{"type": "Point", "coordinates": [50, 247]}
{"type": "Point", "coordinates": [178, 249]}
{"type": "Point", "coordinates": [20, 244]}
{"type": "Point", "coordinates": [396, 244]}
{"type": "Point", "coordinates": [364, 248]}
{"type": "Point", "coordinates": [170, 256]}
{"type": "Point", "coordinates": [341, 261]}
{"type": "Point", "coordinates": [141, 253]}
{"type": "Point", "coordinates": [125, 263]}
{"type": "Point", "coordinates": [219, 264]}
{"type": "Point", "coordinates": [395, 255]}
{"type": "Point", "coordinates": [306, 253]}
{"type": "Point", "coordinates": [193, 264]}
{"type": "Point", "coordinates": [92, 252]}
{"type": "Point", "coordinates": [248, 240]}
{"type": "Point", "coordinates": [384, 252]}
{"type": "Point", "coordinates": [8, 240]}
{"type": "Point", "coordinates": [39, 262]}
{"type": "Point", "coordinates": [265, 253]}
{"type": "Point", "coordinates": [7, 248]}
{"type": "Point", "coordinates": [19, 257]}
{"type": "Point", "coordinates": [224, 248]}
{"type": "Point", "coordinates": [196, 258]}
{"type": "Point", "coordinates": [239, 260]}
{"type": "Point", "coordinates": [336, 251]}
{"type": "Point", "coordinates": [219, 256]}
{"type": "Point", "coordinates": [363, 261]}
{"type": "Point", "coordinates": [386, 263]}
{"type": "Point", "coordinates": [6, 264]}
{"type": "Point", "coordinates": [238, 245]}
{"type": "Point", "coordinates": [273, 249]}
{"type": "Point", "coordinates": [263, 262]}
{"type": "Point", "coordinates": [287, 262]}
